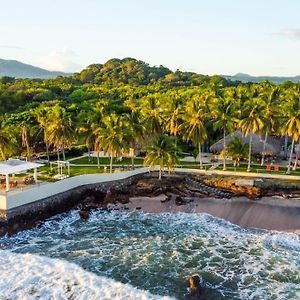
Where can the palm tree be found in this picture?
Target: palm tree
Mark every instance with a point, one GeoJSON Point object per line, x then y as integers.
{"type": "Point", "coordinates": [237, 150]}
{"type": "Point", "coordinates": [95, 124]}
{"type": "Point", "coordinates": [24, 137]}
{"type": "Point", "coordinates": [88, 120]}
{"type": "Point", "coordinates": [193, 127]}
{"type": "Point", "coordinates": [136, 130]}
{"type": "Point", "coordinates": [161, 152]}
{"type": "Point", "coordinates": [224, 112]}
{"type": "Point", "coordinates": [7, 139]}
{"type": "Point", "coordinates": [252, 122]}
{"type": "Point", "coordinates": [173, 115]}
{"type": "Point", "coordinates": [152, 114]}
{"type": "Point", "coordinates": [291, 119]}
{"type": "Point", "coordinates": [42, 115]}
{"type": "Point", "coordinates": [269, 97]}
{"type": "Point", "coordinates": [114, 136]}
{"type": "Point", "coordinates": [61, 132]}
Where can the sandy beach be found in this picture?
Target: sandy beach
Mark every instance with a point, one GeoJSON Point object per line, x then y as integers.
{"type": "Point", "coordinates": [272, 213]}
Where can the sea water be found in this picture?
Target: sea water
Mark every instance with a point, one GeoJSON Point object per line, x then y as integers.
{"type": "Point", "coordinates": [119, 255]}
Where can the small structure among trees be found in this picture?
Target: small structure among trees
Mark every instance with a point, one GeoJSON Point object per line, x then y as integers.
{"type": "Point", "coordinates": [16, 166]}
{"type": "Point", "coordinates": [271, 146]}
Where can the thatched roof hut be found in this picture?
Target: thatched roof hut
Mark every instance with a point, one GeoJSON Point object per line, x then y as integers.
{"type": "Point", "coordinates": [273, 144]}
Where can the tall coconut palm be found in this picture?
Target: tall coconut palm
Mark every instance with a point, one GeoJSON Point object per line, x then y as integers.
{"type": "Point", "coordinates": [95, 124]}
{"type": "Point", "coordinates": [224, 111]}
{"type": "Point", "coordinates": [193, 127]}
{"type": "Point", "coordinates": [161, 152]}
{"type": "Point", "coordinates": [43, 115]}
{"type": "Point", "coordinates": [113, 136]}
{"type": "Point", "coordinates": [136, 130]}
{"type": "Point", "coordinates": [252, 122]}
{"type": "Point", "coordinates": [25, 138]}
{"type": "Point", "coordinates": [173, 114]}
{"type": "Point", "coordinates": [291, 119]}
{"type": "Point", "coordinates": [7, 139]}
{"type": "Point", "coordinates": [25, 123]}
{"type": "Point", "coordinates": [61, 131]}
{"type": "Point", "coordinates": [270, 100]}
{"type": "Point", "coordinates": [88, 119]}
{"type": "Point", "coordinates": [152, 114]}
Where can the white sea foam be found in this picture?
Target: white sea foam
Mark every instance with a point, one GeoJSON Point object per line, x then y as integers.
{"type": "Point", "coordinates": [156, 252]}
{"type": "Point", "coordinates": [27, 276]}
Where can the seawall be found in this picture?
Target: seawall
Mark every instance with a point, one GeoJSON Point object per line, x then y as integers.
{"type": "Point", "coordinates": [24, 209]}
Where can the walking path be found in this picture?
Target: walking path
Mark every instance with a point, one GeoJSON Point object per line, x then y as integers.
{"type": "Point", "coordinates": [239, 174]}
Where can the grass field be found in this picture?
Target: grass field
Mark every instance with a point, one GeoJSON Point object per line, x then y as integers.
{"type": "Point", "coordinates": [86, 165]}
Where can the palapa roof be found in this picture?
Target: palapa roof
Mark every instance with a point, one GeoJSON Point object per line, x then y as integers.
{"type": "Point", "coordinates": [273, 144]}
{"type": "Point", "coordinates": [14, 166]}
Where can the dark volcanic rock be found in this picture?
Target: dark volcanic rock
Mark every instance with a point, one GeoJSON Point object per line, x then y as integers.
{"type": "Point", "coordinates": [84, 214]}
{"type": "Point", "coordinates": [179, 201]}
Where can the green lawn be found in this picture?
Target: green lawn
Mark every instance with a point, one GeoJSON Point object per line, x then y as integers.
{"type": "Point", "coordinates": [84, 166]}
{"type": "Point", "coordinates": [45, 174]}
{"type": "Point", "coordinates": [106, 161]}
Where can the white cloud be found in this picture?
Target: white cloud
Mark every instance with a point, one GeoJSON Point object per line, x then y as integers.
{"type": "Point", "coordinates": [293, 33]}
{"type": "Point", "coordinates": [60, 60]}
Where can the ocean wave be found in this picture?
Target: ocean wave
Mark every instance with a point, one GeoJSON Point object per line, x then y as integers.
{"type": "Point", "coordinates": [27, 276]}
{"type": "Point", "coordinates": [157, 252]}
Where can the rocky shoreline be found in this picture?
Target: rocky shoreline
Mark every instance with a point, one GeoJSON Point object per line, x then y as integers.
{"type": "Point", "coordinates": [269, 206]}
{"type": "Point", "coordinates": [250, 207]}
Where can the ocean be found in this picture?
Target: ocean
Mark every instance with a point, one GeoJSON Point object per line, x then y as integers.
{"type": "Point", "coordinates": [135, 255]}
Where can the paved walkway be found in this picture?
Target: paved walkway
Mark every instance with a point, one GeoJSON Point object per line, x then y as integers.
{"type": "Point", "coordinates": [239, 174]}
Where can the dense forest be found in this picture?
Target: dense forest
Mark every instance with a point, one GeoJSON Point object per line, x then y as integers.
{"type": "Point", "coordinates": [124, 103]}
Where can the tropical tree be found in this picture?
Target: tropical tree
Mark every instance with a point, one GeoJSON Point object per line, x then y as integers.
{"type": "Point", "coordinates": [114, 136]}
{"type": "Point", "coordinates": [136, 130]}
{"type": "Point", "coordinates": [88, 120]}
{"type": "Point", "coordinates": [252, 122]}
{"type": "Point", "coordinates": [43, 115]}
{"type": "Point", "coordinates": [237, 150]}
{"type": "Point", "coordinates": [291, 119]}
{"type": "Point", "coordinates": [25, 138]}
{"type": "Point", "coordinates": [173, 114]}
{"type": "Point", "coordinates": [161, 153]}
{"type": "Point", "coordinates": [224, 112]}
{"type": "Point", "coordinates": [193, 127]}
{"type": "Point", "coordinates": [152, 114]}
{"type": "Point", "coordinates": [7, 139]}
{"type": "Point", "coordinates": [61, 131]}
{"type": "Point", "coordinates": [270, 101]}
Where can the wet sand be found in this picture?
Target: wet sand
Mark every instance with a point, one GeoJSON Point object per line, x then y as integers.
{"type": "Point", "coordinates": [272, 213]}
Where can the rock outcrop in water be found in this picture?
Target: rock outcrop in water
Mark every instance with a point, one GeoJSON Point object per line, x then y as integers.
{"type": "Point", "coordinates": [194, 287]}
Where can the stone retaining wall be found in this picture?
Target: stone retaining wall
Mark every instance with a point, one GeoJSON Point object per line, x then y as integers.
{"type": "Point", "coordinates": [28, 215]}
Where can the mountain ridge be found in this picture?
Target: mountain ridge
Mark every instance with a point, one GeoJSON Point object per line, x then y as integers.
{"type": "Point", "coordinates": [17, 69]}
{"type": "Point", "coordinates": [244, 77]}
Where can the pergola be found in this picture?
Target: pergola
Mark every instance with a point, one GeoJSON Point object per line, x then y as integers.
{"type": "Point", "coordinates": [15, 166]}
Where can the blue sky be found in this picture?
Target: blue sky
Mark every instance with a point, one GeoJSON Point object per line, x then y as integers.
{"type": "Point", "coordinates": [260, 37]}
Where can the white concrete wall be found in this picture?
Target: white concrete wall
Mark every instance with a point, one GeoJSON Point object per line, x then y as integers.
{"type": "Point", "coordinates": [43, 191]}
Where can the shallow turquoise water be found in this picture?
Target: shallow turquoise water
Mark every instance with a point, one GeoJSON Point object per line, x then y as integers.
{"type": "Point", "coordinates": [156, 253]}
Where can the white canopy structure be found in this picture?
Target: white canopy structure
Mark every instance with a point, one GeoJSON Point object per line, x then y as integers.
{"type": "Point", "coordinates": [15, 166]}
